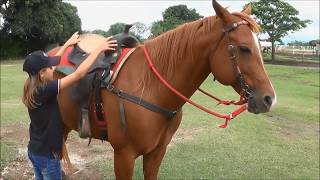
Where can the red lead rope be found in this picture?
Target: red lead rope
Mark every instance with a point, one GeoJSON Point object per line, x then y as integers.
{"type": "Point", "coordinates": [227, 117]}
{"type": "Point", "coordinates": [224, 102]}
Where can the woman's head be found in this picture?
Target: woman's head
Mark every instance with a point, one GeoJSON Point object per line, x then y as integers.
{"type": "Point", "coordinates": [40, 69]}
{"type": "Point", "coordinates": [39, 62]}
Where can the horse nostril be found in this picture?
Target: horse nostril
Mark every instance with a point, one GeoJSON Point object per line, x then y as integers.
{"type": "Point", "coordinates": [268, 101]}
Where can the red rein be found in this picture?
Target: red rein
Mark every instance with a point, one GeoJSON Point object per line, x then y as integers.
{"type": "Point", "coordinates": [227, 117]}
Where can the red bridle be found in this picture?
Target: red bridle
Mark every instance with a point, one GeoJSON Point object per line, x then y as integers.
{"type": "Point", "coordinates": [245, 93]}
{"type": "Point", "coordinates": [227, 117]}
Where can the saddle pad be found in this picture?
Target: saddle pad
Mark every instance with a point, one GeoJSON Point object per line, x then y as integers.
{"type": "Point", "coordinates": [126, 52]}
{"type": "Point", "coordinates": [66, 70]}
{"type": "Point", "coordinates": [64, 61]}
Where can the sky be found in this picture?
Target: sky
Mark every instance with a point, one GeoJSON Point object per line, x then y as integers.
{"type": "Point", "coordinates": [102, 14]}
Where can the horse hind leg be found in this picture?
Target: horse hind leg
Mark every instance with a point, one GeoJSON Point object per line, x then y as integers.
{"type": "Point", "coordinates": [65, 156]}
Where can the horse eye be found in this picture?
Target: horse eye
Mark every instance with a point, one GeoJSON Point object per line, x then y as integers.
{"type": "Point", "coordinates": [244, 49]}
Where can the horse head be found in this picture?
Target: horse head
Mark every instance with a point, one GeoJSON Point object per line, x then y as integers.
{"type": "Point", "coordinates": [237, 59]}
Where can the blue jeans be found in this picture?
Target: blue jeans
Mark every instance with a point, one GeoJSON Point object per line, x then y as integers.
{"type": "Point", "coordinates": [45, 167]}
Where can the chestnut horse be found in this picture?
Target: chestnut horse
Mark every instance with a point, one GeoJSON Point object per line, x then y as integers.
{"type": "Point", "coordinates": [184, 56]}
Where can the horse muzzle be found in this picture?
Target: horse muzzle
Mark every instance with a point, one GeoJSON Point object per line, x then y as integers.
{"type": "Point", "coordinates": [260, 103]}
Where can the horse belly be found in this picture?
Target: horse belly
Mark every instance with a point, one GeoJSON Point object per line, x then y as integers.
{"type": "Point", "coordinates": [70, 111]}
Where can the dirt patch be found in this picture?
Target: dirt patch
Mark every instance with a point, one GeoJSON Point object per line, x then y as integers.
{"type": "Point", "coordinates": [16, 132]}
{"type": "Point", "coordinates": [293, 130]}
{"type": "Point", "coordinates": [82, 156]}
{"type": "Point", "coordinates": [183, 135]}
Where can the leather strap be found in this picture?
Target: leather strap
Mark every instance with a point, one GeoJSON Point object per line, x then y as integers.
{"type": "Point", "coordinates": [122, 114]}
{"type": "Point", "coordinates": [125, 96]}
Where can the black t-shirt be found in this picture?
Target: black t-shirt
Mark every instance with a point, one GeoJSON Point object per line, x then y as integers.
{"type": "Point", "coordinates": [46, 127]}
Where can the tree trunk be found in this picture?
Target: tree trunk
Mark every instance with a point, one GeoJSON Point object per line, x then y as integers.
{"type": "Point", "coordinates": [272, 51]}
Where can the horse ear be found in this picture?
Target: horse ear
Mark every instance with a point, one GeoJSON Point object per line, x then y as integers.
{"type": "Point", "coordinates": [221, 12]}
{"type": "Point", "coordinates": [247, 9]}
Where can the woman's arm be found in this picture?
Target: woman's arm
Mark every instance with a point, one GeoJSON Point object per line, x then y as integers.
{"type": "Point", "coordinates": [72, 40]}
{"type": "Point", "coordinates": [86, 64]}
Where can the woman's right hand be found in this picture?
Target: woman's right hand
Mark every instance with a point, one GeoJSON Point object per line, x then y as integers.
{"type": "Point", "coordinates": [74, 39]}
{"type": "Point", "coordinates": [109, 44]}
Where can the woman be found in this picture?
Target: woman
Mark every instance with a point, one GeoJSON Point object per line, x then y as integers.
{"type": "Point", "coordinates": [39, 96]}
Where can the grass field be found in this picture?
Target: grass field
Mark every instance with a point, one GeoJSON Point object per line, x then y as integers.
{"type": "Point", "coordinates": [281, 144]}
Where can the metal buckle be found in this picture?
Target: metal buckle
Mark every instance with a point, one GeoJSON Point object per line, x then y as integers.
{"type": "Point", "coordinates": [110, 87]}
{"type": "Point", "coordinates": [232, 52]}
{"type": "Point", "coordinates": [234, 25]}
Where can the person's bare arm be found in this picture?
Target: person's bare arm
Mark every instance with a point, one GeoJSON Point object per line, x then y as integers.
{"type": "Point", "coordinates": [71, 41]}
{"type": "Point", "coordinates": [86, 64]}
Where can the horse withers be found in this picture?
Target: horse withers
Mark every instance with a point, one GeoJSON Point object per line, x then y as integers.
{"type": "Point", "coordinates": [224, 45]}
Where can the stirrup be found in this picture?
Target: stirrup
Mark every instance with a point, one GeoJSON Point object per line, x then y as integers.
{"type": "Point", "coordinates": [84, 128]}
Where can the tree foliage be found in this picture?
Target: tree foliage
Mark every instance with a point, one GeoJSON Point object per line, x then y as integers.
{"type": "Point", "coordinates": [277, 18]}
{"type": "Point", "coordinates": [138, 30]}
{"type": "Point", "coordinates": [298, 43]}
{"type": "Point", "coordinates": [38, 22]}
{"type": "Point", "coordinates": [116, 28]}
{"type": "Point", "coordinates": [100, 32]}
{"type": "Point", "coordinates": [172, 17]}
{"type": "Point", "coordinates": [314, 42]}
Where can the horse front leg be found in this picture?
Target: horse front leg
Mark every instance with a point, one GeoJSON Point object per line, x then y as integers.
{"type": "Point", "coordinates": [124, 163]}
{"type": "Point", "coordinates": [152, 162]}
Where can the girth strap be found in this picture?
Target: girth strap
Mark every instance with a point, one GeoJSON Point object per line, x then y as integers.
{"type": "Point", "coordinates": [122, 95]}
{"type": "Point", "coordinates": [99, 76]}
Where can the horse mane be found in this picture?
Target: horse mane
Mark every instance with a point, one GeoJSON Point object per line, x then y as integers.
{"type": "Point", "coordinates": [181, 47]}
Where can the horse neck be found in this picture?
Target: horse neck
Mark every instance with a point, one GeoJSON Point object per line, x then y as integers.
{"type": "Point", "coordinates": [184, 71]}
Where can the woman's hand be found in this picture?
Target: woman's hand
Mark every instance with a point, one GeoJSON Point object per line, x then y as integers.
{"type": "Point", "coordinates": [109, 44]}
{"type": "Point", "coordinates": [74, 39]}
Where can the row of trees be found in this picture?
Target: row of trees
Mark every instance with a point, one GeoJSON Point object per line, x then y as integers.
{"type": "Point", "coordinates": [33, 24]}
{"type": "Point", "coordinates": [300, 43]}
{"type": "Point", "coordinates": [172, 17]}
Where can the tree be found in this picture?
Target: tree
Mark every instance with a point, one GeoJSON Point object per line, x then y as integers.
{"type": "Point", "coordinates": [38, 22]}
{"type": "Point", "coordinates": [277, 18]}
{"type": "Point", "coordinates": [116, 28]}
{"type": "Point", "coordinates": [172, 17]}
{"type": "Point", "coordinates": [314, 42]}
{"type": "Point", "coordinates": [298, 43]}
{"type": "Point", "coordinates": [101, 32]}
{"type": "Point", "coordinates": [138, 29]}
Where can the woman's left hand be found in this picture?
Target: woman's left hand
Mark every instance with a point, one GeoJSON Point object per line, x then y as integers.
{"type": "Point", "coordinates": [74, 39]}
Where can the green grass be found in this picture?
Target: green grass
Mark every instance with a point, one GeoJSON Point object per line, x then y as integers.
{"type": "Point", "coordinates": [12, 80]}
{"type": "Point", "coordinates": [8, 152]}
{"type": "Point", "coordinates": [281, 144]}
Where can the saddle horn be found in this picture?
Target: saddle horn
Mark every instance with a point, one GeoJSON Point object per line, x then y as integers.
{"type": "Point", "coordinates": [127, 28]}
